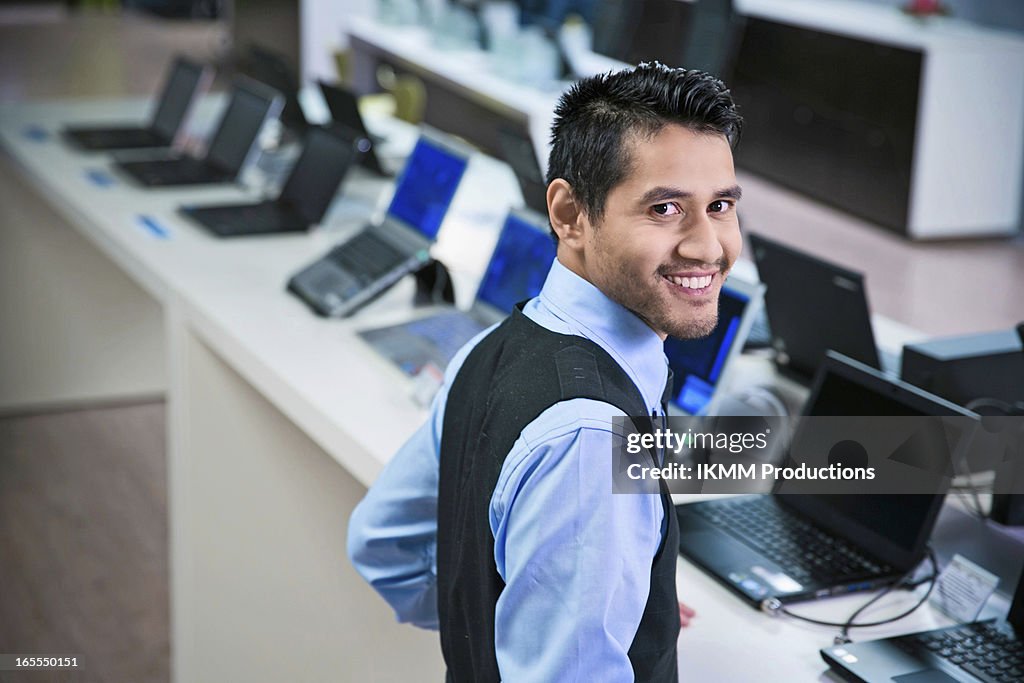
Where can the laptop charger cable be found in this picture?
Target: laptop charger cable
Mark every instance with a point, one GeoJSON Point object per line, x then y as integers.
{"type": "Point", "coordinates": [775, 607]}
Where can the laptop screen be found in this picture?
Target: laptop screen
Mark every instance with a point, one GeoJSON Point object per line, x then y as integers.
{"type": "Point", "coordinates": [892, 526]}
{"type": "Point", "coordinates": [313, 181]}
{"type": "Point", "coordinates": [344, 107]}
{"type": "Point", "coordinates": [517, 148]}
{"type": "Point", "coordinates": [176, 97]}
{"type": "Point", "coordinates": [273, 69]}
{"type": "Point", "coordinates": [238, 130]}
{"type": "Point", "coordinates": [425, 190]}
{"type": "Point", "coordinates": [519, 265]}
{"type": "Point", "coordinates": [697, 364]}
{"type": "Point", "coordinates": [1016, 615]}
{"type": "Point", "coordinates": [804, 288]}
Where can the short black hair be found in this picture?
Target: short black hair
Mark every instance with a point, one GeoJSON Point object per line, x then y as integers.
{"type": "Point", "coordinates": [597, 114]}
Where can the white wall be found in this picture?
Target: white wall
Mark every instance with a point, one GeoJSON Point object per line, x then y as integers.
{"type": "Point", "coordinates": [322, 30]}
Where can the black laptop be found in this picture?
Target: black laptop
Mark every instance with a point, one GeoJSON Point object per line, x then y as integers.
{"type": "Point", "coordinates": [813, 306]}
{"type": "Point", "coordinates": [186, 82]}
{"type": "Point", "coordinates": [276, 71]}
{"type": "Point", "coordinates": [232, 144]}
{"type": "Point", "coordinates": [326, 156]}
{"type": "Point", "coordinates": [358, 270]}
{"type": "Point", "coordinates": [989, 651]}
{"type": "Point", "coordinates": [795, 547]}
{"type": "Point", "coordinates": [517, 149]}
{"type": "Point", "coordinates": [344, 108]}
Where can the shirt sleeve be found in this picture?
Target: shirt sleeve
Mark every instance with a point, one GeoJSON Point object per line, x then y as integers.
{"type": "Point", "coordinates": [392, 533]}
{"type": "Point", "coordinates": [575, 558]}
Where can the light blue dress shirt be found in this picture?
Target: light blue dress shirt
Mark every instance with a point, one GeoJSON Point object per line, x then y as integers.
{"type": "Point", "coordinates": [575, 559]}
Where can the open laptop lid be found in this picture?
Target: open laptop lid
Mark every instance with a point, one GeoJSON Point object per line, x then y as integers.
{"type": "Point", "coordinates": [428, 182]}
{"type": "Point", "coordinates": [813, 306]}
{"type": "Point", "coordinates": [344, 106]}
{"type": "Point", "coordinates": [326, 156]}
{"type": "Point", "coordinates": [517, 149]}
{"type": "Point", "coordinates": [250, 106]}
{"type": "Point", "coordinates": [895, 528]}
{"type": "Point", "coordinates": [276, 71]}
{"type": "Point", "coordinates": [186, 82]}
{"type": "Point", "coordinates": [1015, 617]}
{"type": "Point", "coordinates": [519, 264]}
{"type": "Point", "coordinates": [699, 365]}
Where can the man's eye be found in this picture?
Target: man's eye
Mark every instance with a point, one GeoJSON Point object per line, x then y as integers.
{"type": "Point", "coordinates": [667, 209]}
{"type": "Point", "coordinates": [720, 206]}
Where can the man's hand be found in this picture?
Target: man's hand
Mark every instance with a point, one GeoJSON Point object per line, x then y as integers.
{"type": "Point", "coordinates": [685, 614]}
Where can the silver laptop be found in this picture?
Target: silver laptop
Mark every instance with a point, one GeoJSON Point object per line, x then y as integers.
{"type": "Point", "coordinates": [519, 264]}
{"type": "Point", "coordinates": [363, 267]}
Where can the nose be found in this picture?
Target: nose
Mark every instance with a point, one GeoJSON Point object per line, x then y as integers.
{"type": "Point", "coordinates": [701, 242]}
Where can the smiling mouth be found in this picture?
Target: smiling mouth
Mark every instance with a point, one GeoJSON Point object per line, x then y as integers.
{"type": "Point", "coordinates": [695, 284]}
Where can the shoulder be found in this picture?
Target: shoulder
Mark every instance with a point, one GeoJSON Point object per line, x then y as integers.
{"type": "Point", "coordinates": [566, 418]}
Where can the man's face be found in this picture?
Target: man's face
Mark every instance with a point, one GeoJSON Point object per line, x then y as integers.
{"type": "Point", "coordinates": [669, 233]}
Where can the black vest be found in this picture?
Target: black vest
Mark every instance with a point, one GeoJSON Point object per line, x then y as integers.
{"type": "Point", "coordinates": [510, 378]}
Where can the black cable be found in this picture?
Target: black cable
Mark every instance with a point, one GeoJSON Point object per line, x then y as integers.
{"type": "Point", "coordinates": [774, 606]}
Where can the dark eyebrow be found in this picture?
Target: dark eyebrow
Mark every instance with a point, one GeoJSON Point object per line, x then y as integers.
{"type": "Point", "coordinates": [734, 192]}
{"type": "Point", "coordinates": [663, 193]}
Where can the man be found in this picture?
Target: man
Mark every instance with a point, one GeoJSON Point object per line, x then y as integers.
{"type": "Point", "coordinates": [496, 522]}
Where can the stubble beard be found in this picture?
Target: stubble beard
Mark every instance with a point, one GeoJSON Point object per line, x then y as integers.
{"type": "Point", "coordinates": [663, 313]}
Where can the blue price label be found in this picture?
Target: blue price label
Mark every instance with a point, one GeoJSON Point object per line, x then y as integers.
{"type": "Point", "coordinates": [99, 178]}
{"type": "Point", "coordinates": [153, 227]}
{"type": "Point", "coordinates": [35, 133]}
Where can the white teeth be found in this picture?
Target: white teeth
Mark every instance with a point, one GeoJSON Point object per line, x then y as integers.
{"type": "Point", "coordinates": [691, 282]}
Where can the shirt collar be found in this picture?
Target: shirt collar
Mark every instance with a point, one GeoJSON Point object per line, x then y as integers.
{"type": "Point", "coordinates": [587, 312]}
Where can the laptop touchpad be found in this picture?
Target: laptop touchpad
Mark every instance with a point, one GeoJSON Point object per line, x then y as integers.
{"type": "Point", "coordinates": [928, 676]}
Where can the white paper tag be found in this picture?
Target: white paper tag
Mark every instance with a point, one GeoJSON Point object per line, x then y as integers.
{"type": "Point", "coordinates": [962, 589]}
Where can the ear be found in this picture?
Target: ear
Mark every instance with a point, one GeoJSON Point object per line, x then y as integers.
{"type": "Point", "coordinates": [567, 217]}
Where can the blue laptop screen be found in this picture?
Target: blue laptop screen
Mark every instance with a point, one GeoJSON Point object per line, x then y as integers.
{"type": "Point", "coordinates": [426, 188]}
{"type": "Point", "coordinates": [697, 363]}
{"type": "Point", "coordinates": [519, 265]}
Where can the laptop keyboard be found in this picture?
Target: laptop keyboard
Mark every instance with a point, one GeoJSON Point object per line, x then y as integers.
{"type": "Point", "coordinates": [257, 218]}
{"type": "Point", "coordinates": [447, 331]}
{"type": "Point", "coordinates": [802, 550]}
{"type": "Point", "coordinates": [760, 335]}
{"type": "Point", "coordinates": [367, 257]}
{"type": "Point", "coordinates": [981, 649]}
{"type": "Point", "coordinates": [184, 170]}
